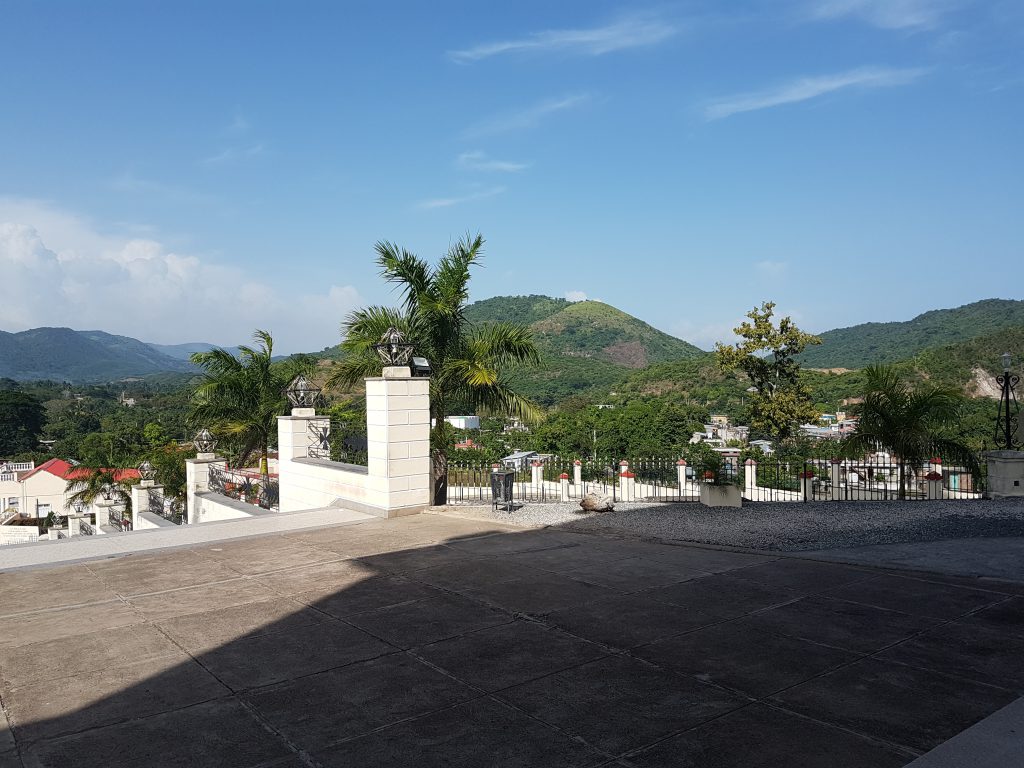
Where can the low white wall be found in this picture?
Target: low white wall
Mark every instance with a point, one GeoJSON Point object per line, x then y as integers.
{"type": "Point", "coordinates": [18, 534]}
{"type": "Point", "coordinates": [147, 520]}
{"type": "Point", "coordinates": [317, 483]}
{"type": "Point", "coordinates": [210, 507]}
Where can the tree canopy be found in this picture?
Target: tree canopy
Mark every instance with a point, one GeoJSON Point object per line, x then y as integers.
{"type": "Point", "coordinates": [767, 354]}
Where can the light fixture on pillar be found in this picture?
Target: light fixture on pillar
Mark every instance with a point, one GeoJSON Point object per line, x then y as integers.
{"type": "Point", "coordinates": [393, 348]}
{"type": "Point", "coordinates": [204, 441]}
{"type": "Point", "coordinates": [78, 506]}
{"type": "Point", "coordinates": [147, 471]}
{"type": "Point", "coordinates": [302, 393]}
{"type": "Point", "coordinates": [420, 366]}
{"type": "Point", "coordinates": [107, 492]}
{"type": "Point", "coordinates": [1009, 411]}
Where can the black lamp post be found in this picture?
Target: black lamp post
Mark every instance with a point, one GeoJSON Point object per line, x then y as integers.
{"type": "Point", "coordinates": [1009, 411]}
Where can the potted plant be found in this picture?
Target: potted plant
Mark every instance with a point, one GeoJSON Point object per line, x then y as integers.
{"type": "Point", "coordinates": [719, 484]}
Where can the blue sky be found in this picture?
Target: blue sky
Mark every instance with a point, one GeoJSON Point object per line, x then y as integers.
{"type": "Point", "coordinates": [181, 171]}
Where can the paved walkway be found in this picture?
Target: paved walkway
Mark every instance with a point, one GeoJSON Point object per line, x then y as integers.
{"type": "Point", "coordinates": [80, 548]}
{"type": "Point", "coordinates": [1001, 558]}
{"type": "Point", "coordinates": [433, 641]}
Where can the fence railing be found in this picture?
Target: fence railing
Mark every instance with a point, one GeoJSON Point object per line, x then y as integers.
{"type": "Point", "coordinates": [877, 477]}
{"type": "Point", "coordinates": [331, 440]}
{"type": "Point", "coordinates": [119, 518]}
{"type": "Point", "coordinates": [245, 485]}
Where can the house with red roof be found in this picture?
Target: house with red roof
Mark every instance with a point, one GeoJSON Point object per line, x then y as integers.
{"type": "Point", "coordinates": [38, 491]}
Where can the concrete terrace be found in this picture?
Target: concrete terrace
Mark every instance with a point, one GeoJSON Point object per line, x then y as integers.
{"type": "Point", "coordinates": [432, 640]}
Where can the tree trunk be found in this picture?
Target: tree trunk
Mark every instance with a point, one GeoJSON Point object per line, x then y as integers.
{"type": "Point", "coordinates": [440, 472]}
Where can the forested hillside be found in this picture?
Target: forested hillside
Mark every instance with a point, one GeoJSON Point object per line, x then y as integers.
{"type": "Point", "coordinates": [861, 345]}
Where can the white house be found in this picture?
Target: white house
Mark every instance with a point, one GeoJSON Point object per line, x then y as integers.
{"type": "Point", "coordinates": [464, 422]}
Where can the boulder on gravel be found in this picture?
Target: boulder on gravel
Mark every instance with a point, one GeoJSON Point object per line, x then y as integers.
{"type": "Point", "coordinates": [593, 502]}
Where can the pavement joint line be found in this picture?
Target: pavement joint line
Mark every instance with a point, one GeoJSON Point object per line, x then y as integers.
{"type": "Point", "coordinates": [55, 609]}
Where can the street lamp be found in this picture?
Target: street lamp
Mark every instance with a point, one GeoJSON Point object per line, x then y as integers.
{"type": "Point", "coordinates": [393, 348]}
{"type": "Point", "coordinates": [1009, 411]}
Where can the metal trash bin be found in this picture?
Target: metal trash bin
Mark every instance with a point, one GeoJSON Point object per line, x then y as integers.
{"type": "Point", "coordinates": [501, 488]}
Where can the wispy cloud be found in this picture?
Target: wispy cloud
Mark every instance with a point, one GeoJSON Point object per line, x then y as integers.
{"type": "Point", "coordinates": [479, 161]}
{"type": "Point", "coordinates": [234, 154]}
{"type": "Point", "coordinates": [576, 296]}
{"type": "Point", "coordinates": [632, 32]}
{"type": "Point", "coordinates": [448, 202]}
{"type": "Point", "coordinates": [529, 117]}
{"type": "Point", "coordinates": [886, 14]}
{"type": "Point", "coordinates": [771, 269]}
{"type": "Point", "coordinates": [807, 88]}
{"type": "Point", "coordinates": [129, 182]}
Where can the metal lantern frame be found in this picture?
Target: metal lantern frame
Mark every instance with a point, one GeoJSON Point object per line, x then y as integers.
{"type": "Point", "coordinates": [204, 441]}
{"type": "Point", "coordinates": [1008, 417]}
{"type": "Point", "coordinates": [302, 393]}
{"type": "Point", "coordinates": [107, 492]}
{"type": "Point", "coordinates": [146, 470]}
{"type": "Point", "coordinates": [393, 348]}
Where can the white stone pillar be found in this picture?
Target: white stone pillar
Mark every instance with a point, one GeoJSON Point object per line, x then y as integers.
{"type": "Point", "coordinates": [750, 476]}
{"type": "Point", "coordinates": [681, 477]}
{"type": "Point", "coordinates": [835, 476]}
{"type": "Point", "coordinates": [627, 482]}
{"type": "Point", "coordinates": [398, 435]}
{"type": "Point", "coordinates": [807, 485]}
{"type": "Point", "coordinates": [1005, 473]}
{"type": "Point", "coordinates": [537, 476]}
{"type": "Point", "coordinates": [934, 488]}
{"type": "Point", "coordinates": [563, 481]}
{"type": "Point", "coordinates": [197, 480]}
{"type": "Point", "coordinates": [577, 473]}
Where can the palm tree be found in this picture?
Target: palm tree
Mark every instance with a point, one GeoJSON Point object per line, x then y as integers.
{"type": "Point", "coordinates": [87, 484]}
{"type": "Point", "coordinates": [241, 397]}
{"type": "Point", "coordinates": [908, 423]}
{"type": "Point", "coordinates": [468, 363]}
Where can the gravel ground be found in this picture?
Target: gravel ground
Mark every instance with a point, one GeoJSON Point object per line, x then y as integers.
{"type": "Point", "coordinates": [784, 527]}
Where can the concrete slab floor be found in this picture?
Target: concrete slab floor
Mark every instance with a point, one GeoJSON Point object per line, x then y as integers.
{"type": "Point", "coordinates": [415, 642]}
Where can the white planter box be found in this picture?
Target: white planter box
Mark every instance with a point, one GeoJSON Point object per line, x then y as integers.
{"type": "Point", "coordinates": [720, 495]}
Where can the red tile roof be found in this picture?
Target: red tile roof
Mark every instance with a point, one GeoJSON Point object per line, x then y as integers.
{"type": "Point", "coordinates": [67, 471]}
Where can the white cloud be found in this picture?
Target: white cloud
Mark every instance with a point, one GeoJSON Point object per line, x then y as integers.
{"type": "Point", "coordinates": [886, 14]}
{"type": "Point", "coordinates": [704, 335]}
{"type": "Point", "coordinates": [479, 161]}
{"type": "Point", "coordinates": [633, 32]}
{"type": "Point", "coordinates": [807, 88]}
{"type": "Point", "coordinates": [234, 154]}
{"type": "Point", "coordinates": [60, 269]}
{"type": "Point", "coordinates": [576, 295]}
{"type": "Point", "coordinates": [528, 117]}
{"type": "Point", "coordinates": [448, 202]}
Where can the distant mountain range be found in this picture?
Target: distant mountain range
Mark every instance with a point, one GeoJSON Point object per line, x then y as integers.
{"type": "Point", "coordinates": [861, 345]}
{"type": "Point", "coordinates": [63, 354]}
{"type": "Point", "coordinates": [585, 346]}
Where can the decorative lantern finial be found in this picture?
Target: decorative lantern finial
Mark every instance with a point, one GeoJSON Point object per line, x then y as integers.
{"type": "Point", "coordinates": [393, 348]}
{"type": "Point", "coordinates": [204, 441]}
{"type": "Point", "coordinates": [146, 470]}
{"type": "Point", "coordinates": [302, 393]}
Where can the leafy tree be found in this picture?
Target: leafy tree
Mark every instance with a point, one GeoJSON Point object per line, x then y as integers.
{"type": "Point", "coordinates": [468, 362]}
{"type": "Point", "coordinates": [155, 434]}
{"type": "Point", "coordinates": [169, 463]}
{"type": "Point", "coordinates": [910, 423]}
{"type": "Point", "coordinates": [22, 417]}
{"type": "Point", "coordinates": [241, 397]}
{"type": "Point", "coordinates": [767, 354]}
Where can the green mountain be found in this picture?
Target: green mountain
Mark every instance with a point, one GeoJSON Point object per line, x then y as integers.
{"type": "Point", "coordinates": [63, 354]}
{"type": "Point", "coordinates": [868, 343]}
{"type": "Point", "coordinates": [585, 346]}
{"type": "Point", "coordinates": [585, 329]}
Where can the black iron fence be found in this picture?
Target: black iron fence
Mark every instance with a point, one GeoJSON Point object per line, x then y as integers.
{"type": "Point", "coordinates": [119, 518]}
{"type": "Point", "coordinates": [245, 485]}
{"type": "Point", "coordinates": [335, 441]}
{"type": "Point", "coordinates": [875, 477]}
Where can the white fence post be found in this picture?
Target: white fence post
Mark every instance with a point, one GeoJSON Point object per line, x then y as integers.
{"type": "Point", "coordinates": [563, 481]}
{"type": "Point", "coordinates": [577, 472]}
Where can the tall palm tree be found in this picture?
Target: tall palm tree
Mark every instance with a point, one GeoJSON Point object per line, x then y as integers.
{"type": "Point", "coordinates": [468, 363]}
{"type": "Point", "coordinates": [87, 484]}
{"type": "Point", "coordinates": [241, 397]}
{"type": "Point", "coordinates": [908, 423]}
